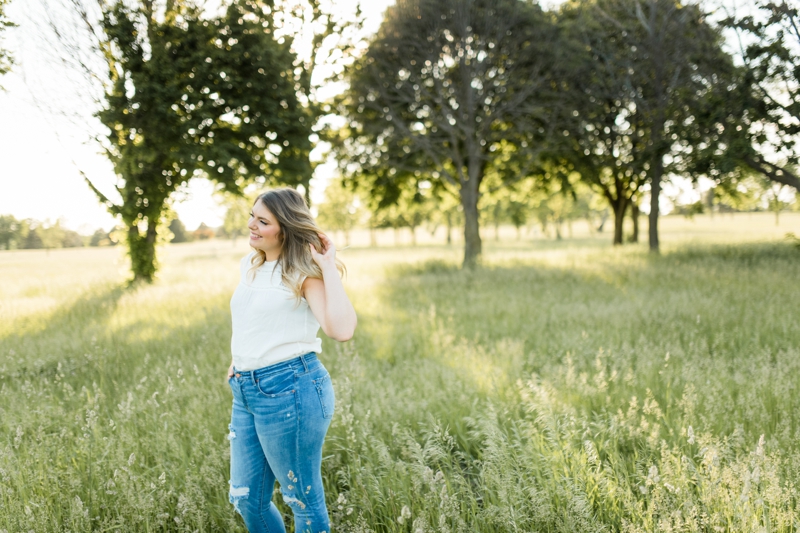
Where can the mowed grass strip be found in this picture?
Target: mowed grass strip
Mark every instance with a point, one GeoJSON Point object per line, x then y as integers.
{"type": "Point", "coordinates": [555, 388]}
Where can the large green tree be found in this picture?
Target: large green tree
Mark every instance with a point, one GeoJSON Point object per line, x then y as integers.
{"type": "Point", "coordinates": [186, 94]}
{"type": "Point", "coordinates": [603, 142]}
{"type": "Point", "coordinates": [442, 85]}
{"type": "Point", "coordinates": [651, 67]}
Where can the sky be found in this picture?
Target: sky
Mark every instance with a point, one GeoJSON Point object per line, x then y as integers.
{"type": "Point", "coordinates": [43, 153]}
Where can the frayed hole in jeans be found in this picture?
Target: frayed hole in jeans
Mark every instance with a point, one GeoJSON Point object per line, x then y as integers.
{"type": "Point", "coordinates": [238, 494]}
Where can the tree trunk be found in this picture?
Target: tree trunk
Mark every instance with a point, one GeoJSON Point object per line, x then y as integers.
{"type": "Point", "coordinates": [497, 222]}
{"type": "Point", "coordinates": [655, 192]}
{"type": "Point", "coordinates": [142, 251]}
{"type": "Point", "coordinates": [373, 239]}
{"type": "Point", "coordinates": [413, 235]}
{"type": "Point", "coordinates": [449, 228]}
{"type": "Point", "coordinates": [619, 206]}
{"type": "Point", "coordinates": [710, 201]}
{"type": "Point", "coordinates": [635, 219]}
{"type": "Point", "coordinates": [472, 236]}
{"type": "Point", "coordinates": [603, 219]}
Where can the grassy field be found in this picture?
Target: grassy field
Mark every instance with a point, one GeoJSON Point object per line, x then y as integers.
{"type": "Point", "coordinates": [562, 386]}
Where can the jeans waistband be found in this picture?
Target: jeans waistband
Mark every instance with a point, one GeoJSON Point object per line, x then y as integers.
{"type": "Point", "coordinates": [302, 362]}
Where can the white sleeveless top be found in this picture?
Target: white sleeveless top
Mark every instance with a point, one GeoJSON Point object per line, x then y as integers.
{"type": "Point", "coordinates": [269, 325]}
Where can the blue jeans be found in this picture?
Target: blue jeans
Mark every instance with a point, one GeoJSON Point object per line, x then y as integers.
{"type": "Point", "coordinates": [280, 416]}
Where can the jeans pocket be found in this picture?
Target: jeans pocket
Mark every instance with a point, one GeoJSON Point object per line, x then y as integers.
{"type": "Point", "coordinates": [327, 398]}
{"type": "Point", "coordinates": [275, 386]}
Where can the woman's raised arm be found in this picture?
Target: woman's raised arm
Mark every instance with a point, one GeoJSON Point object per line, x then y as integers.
{"type": "Point", "coordinates": [326, 297]}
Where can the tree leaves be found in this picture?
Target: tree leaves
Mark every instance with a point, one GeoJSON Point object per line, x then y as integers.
{"type": "Point", "coordinates": [192, 95]}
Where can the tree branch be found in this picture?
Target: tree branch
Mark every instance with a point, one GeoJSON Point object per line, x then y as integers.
{"type": "Point", "coordinates": [773, 172]}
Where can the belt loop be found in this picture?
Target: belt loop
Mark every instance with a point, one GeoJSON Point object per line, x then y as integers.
{"type": "Point", "coordinates": [305, 365]}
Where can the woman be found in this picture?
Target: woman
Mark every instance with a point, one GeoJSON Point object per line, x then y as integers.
{"type": "Point", "coordinates": [283, 400]}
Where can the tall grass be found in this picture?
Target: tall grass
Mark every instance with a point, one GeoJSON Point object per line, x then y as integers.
{"type": "Point", "coordinates": [554, 388]}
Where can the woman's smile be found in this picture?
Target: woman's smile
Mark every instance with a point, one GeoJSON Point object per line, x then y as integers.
{"type": "Point", "coordinates": [264, 230]}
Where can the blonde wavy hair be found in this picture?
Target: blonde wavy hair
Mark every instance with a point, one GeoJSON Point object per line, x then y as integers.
{"type": "Point", "coordinates": [297, 230]}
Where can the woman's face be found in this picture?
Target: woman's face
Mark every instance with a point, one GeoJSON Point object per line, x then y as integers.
{"type": "Point", "coordinates": [264, 231]}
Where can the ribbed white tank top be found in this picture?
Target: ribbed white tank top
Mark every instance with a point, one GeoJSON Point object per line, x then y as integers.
{"type": "Point", "coordinates": [269, 326]}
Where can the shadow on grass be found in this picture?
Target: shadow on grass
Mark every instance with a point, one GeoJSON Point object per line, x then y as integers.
{"type": "Point", "coordinates": [79, 335]}
{"type": "Point", "coordinates": [707, 316]}
{"type": "Point", "coordinates": [607, 300]}
{"type": "Point", "coordinates": [58, 335]}
{"type": "Point", "coordinates": [77, 346]}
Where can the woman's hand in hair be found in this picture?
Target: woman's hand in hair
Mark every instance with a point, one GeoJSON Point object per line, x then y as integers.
{"type": "Point", "coordinates": [326, 297]}
{"type": "Point", "coordinates": [326, 259]}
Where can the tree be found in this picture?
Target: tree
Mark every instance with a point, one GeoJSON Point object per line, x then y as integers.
{"type": "Point", "coordinates": [512, 204]}
{"type": "Point", "coordinates": [603, 143]}
{"type": "Point", "coordinates": [340, 210]}
{"type": "Point", "coordinates": [442, 85]}
{"type": "Point", "coordinates": [416, 207]}
{"type": "Point", "coordinates": [101, 237]}
{"type": "Point", "coordinates": [51, 235]}
{"type": "Point", "coordinates": [767, 105]}
{"type": "Point", "coordinates": [203, 232]}
{"type": "Point", "coordinates": [776, 201]}
{"type": "Point", "coordinates": [184, 95]}
{"type": "Point", "coordinates": [655, 62]}
{"type": "Point", "coordinates": [236, 216]}
{"type": "Point", "coordinates": [492, 211]}
{"type": "Point", "coordinates": [33, 239]}
{"type": "Point", "coordinates": [11, 232]}
{"type": "Point", "coordinates": [742, 195]}
{"type": "Point", "coordinates": [72, 239]}
{"type": "Point", "coordinates": [450, 212]}
{"type": "Point", "coordinates": [756, 192]}
{"type": "Point", "coordinates": [553, 205]}
{"type": "Point", "coordinates": [178, 230]}
{"type": "Point", "coordinates": [5, 58]}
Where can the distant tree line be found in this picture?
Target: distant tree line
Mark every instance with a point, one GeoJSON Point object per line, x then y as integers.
{"type": "Point", "coordinates": [530, 210]}
{"type": "Point", "coordinates": [30, 234]}
{"type": "Point", "coordinates": [33, 234]}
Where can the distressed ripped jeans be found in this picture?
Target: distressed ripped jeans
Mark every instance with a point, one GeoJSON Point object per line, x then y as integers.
{"type": "Point", "coordinates": [280, 416]}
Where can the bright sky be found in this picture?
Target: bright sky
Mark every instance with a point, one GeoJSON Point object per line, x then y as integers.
{"type": "Point", "coordinates": [42, 153]}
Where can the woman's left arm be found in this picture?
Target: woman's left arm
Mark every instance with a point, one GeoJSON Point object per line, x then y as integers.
{"type": "Point", "coordinates": [326, 297]}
